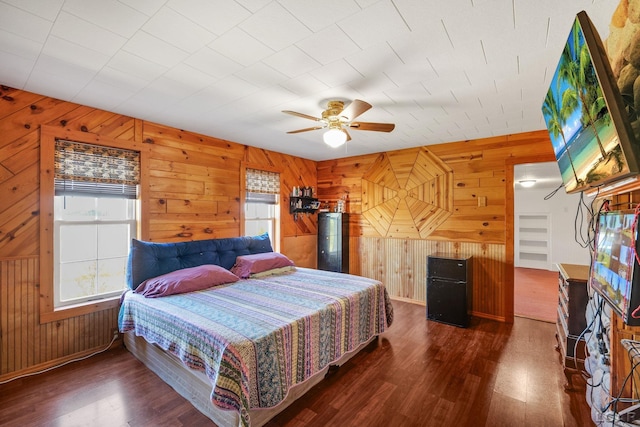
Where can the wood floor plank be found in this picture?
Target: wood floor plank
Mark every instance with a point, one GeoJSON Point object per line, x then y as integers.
{"type": "Point", "coordinates": [536, 293]}
{"type": "Point", "coordinates": [418, 373]}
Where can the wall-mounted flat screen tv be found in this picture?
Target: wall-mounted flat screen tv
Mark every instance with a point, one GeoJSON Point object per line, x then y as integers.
{"type": "Point", "coordinates": [615, 274]}
{"type": "Point", "coordinates": [586, 117]}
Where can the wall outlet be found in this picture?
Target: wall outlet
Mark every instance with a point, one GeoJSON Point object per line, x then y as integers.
{"type": "Point", "coordinates": [115, 334]}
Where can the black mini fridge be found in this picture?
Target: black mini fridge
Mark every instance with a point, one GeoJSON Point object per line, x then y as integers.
{"type": "Point", "coordinates": [449, 288]}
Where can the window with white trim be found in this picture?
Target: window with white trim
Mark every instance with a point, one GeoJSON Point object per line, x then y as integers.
{"type": "Point", "coordinates": [262, 204]}
{"type": "Point", "coordinates": [95, 218]}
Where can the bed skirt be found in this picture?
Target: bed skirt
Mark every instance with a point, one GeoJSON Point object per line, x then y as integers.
{"type": "Point", "coordinates": [196, 387]}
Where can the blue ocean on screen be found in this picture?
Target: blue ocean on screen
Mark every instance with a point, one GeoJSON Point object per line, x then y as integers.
{"type": "Point", "coordinates": [584, 150]}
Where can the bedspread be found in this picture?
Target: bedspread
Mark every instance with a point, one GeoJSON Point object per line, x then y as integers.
{"type": "Point", "coordinates": [256, 338]}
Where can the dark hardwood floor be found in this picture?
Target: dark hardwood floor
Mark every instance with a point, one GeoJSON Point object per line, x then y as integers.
{"type": "Point", "coordinates": [418, 373]}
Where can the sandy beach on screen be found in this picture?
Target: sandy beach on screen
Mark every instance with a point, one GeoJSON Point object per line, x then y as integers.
{"type": "Point", "coordinates": [593, 160]}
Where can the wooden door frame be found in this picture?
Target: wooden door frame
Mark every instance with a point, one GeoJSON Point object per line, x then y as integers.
{"type": "Point", "coordinates": [509, 271]}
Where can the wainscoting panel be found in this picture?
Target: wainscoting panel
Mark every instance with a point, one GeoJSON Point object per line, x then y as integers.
{"type": "Point", "coordinates": [27, 343]}
{"type": "Point", "coordinates": [401, 264]}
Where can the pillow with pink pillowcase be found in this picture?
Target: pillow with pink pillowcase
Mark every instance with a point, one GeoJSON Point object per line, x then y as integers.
{"type": "Point", "coordinates": [246, 265]}
{"type": "Point", "coordinates": [186, 280]}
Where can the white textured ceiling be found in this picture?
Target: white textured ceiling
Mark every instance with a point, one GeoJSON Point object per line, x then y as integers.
{"type": "Point", "coordinates": [546, 175]}
{"type": "Point", "coordinates": [442, 71]}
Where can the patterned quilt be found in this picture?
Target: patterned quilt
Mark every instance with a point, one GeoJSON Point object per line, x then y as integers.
{"type": "Point", "coordinates": [258, 337]}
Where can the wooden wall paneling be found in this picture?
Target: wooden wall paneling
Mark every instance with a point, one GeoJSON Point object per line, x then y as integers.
{"type": "Point", "coordinates": [294, 172]}
{"type": "Point", "coordinates": [157, 206]}
{"type": "Point", "coordinates": [17, 228]}
{"type": "Point", "coordinates": [166, 136]}
{"type": "Point", "coordinates": [17, 122]}
{"type": "Point", "coordinates": [7, 297]}
{"type": "Point", "coordinates": [93, 121]}
{"type": "Point", "coordinates": [16, 320]}
{"type": "Point", "coordinates": [194, 185]}
{"type": "Point", "coordinates": [226, 188]}
{"type": "Point", "coordinates": [12, 100]}
{"type": "Point", "coordinates": [72, 118]}
{"type": "Point", "coordinates": [173, 187]}
{"type": "Point", "coordinates": [620, 363]}
{"type": "Point", "coordinates": [27, 273]}
{"type": "Point", "coordinates": [188, 206]}
{"type": "Point", "coordinates": [476, 164]}
{"type": "Point", "coordinates": [44, 111]}
{"type": "Point", "coordinates": [5, 173]}
{"type": "Point", "coordinates": [181, 152]}
{"type": "Point", "coordinates": [25, 342]}
{"type": "Point", "coordinates": [479, 219]}
{"type": "Point", "coordinates": [118, 127]}
{"type": "Point", "coordinates": [162, 229]}
{"type": "Point", "coordinates": [18, 154]}
{"type": "Point", "coordinates": [401, 265]}
{"type": "Point", "coordinates": [169, 168]}
{"type": "Point", "coordinates": [403, 224]}
{"type": "Point", "coordinates": [20, 185]}
{"type": "Point", "coordinates": [19, 232]}
{"type": "Point", "coordinates": [302, 250]}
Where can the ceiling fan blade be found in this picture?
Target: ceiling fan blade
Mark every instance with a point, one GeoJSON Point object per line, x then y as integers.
{"type": "Point", "coordinates": [354, 109]}
{"type": "Point", "coordinates": [304, 116]}
{"type": "Point", "coordinates": [378, 127]}
{"type": "Point", "coordinates": [306, 129]}
{"type": "Point", "coordinates": [348, 136]}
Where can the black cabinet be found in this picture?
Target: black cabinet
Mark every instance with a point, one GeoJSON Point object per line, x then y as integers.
{"type": "Point", "coordinates": [333, 242]}
{"type": "Point", "coordinates": [449, 289]}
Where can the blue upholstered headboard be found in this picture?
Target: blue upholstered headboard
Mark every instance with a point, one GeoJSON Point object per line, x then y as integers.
{"type": "Point", "coordinates": [149, 259]}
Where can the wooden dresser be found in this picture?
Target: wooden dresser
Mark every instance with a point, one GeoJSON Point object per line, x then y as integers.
{"type": "Point", "coordinates": [571, 320]}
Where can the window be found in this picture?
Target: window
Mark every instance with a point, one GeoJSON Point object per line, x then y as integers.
{"type": "Point", "coordinates": [260, 218]}
{"type": "Point", "coordinates": [104, 186]}
{"type": "Point", "coordinates": [94, 220]}
{"type": "Point", "coordinates": [91, 246]}
{"type": "Point", "coordinates": [262, 209]}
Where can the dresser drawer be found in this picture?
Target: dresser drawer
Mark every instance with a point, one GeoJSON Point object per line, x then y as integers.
{"type": "Point", "coordinates": [571, 321]}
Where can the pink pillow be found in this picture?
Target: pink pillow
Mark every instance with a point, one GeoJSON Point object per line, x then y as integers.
{"type": "Point", "coordinates": [186, 280]}
{"type": "Point", "coordinates": [248, 264]}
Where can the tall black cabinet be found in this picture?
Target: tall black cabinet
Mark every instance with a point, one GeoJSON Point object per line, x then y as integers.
{"type": "Point", "coordinates": [333, 242]}
{"type": "Point", "coordinates": [449, 288]}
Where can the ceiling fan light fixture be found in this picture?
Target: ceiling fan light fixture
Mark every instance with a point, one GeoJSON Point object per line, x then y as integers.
{"type": "Point", "coordinates": [527, 183]}
{"type": "Point", "coordinates": [337, 119]}
{"type": "Point", "coordinates": [334, 137]}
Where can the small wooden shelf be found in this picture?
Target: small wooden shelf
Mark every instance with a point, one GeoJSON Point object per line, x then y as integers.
{"type": "Point", "coordinates": [303, 204]}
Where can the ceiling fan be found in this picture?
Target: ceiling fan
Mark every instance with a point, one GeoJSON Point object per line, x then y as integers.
{"type": "Point", "coordinates": [337, 119]}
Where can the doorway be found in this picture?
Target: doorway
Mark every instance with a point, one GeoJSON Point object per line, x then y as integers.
{"type": "Point", "coordinates": [535, 275]}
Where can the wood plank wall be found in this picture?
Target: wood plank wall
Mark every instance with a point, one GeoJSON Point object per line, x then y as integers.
{"type": "Point", "coordinates": [192, 197]}
{"type": "Point", "coordinates": [478, 223]}
{"type": "Point", "coordinates": [194, 194]}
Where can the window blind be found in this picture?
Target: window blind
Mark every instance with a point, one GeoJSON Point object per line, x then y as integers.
{"type": "Point", "coordinates": [94, 170]}
{"type": "Point", "coordinates": [262, 186]}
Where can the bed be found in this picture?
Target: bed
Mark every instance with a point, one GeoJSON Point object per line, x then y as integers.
{"type": "Point", "coordinates": [245, 348]}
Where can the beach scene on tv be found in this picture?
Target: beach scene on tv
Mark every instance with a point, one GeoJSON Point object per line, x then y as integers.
{"type": "Point", "coordinates": [584, 138]}
{"type": "Point", "coordinates": [612, 269]}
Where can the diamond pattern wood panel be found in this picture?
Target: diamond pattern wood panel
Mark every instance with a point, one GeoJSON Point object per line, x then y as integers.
{"type": "Point", "coordinates": [407, 194]}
